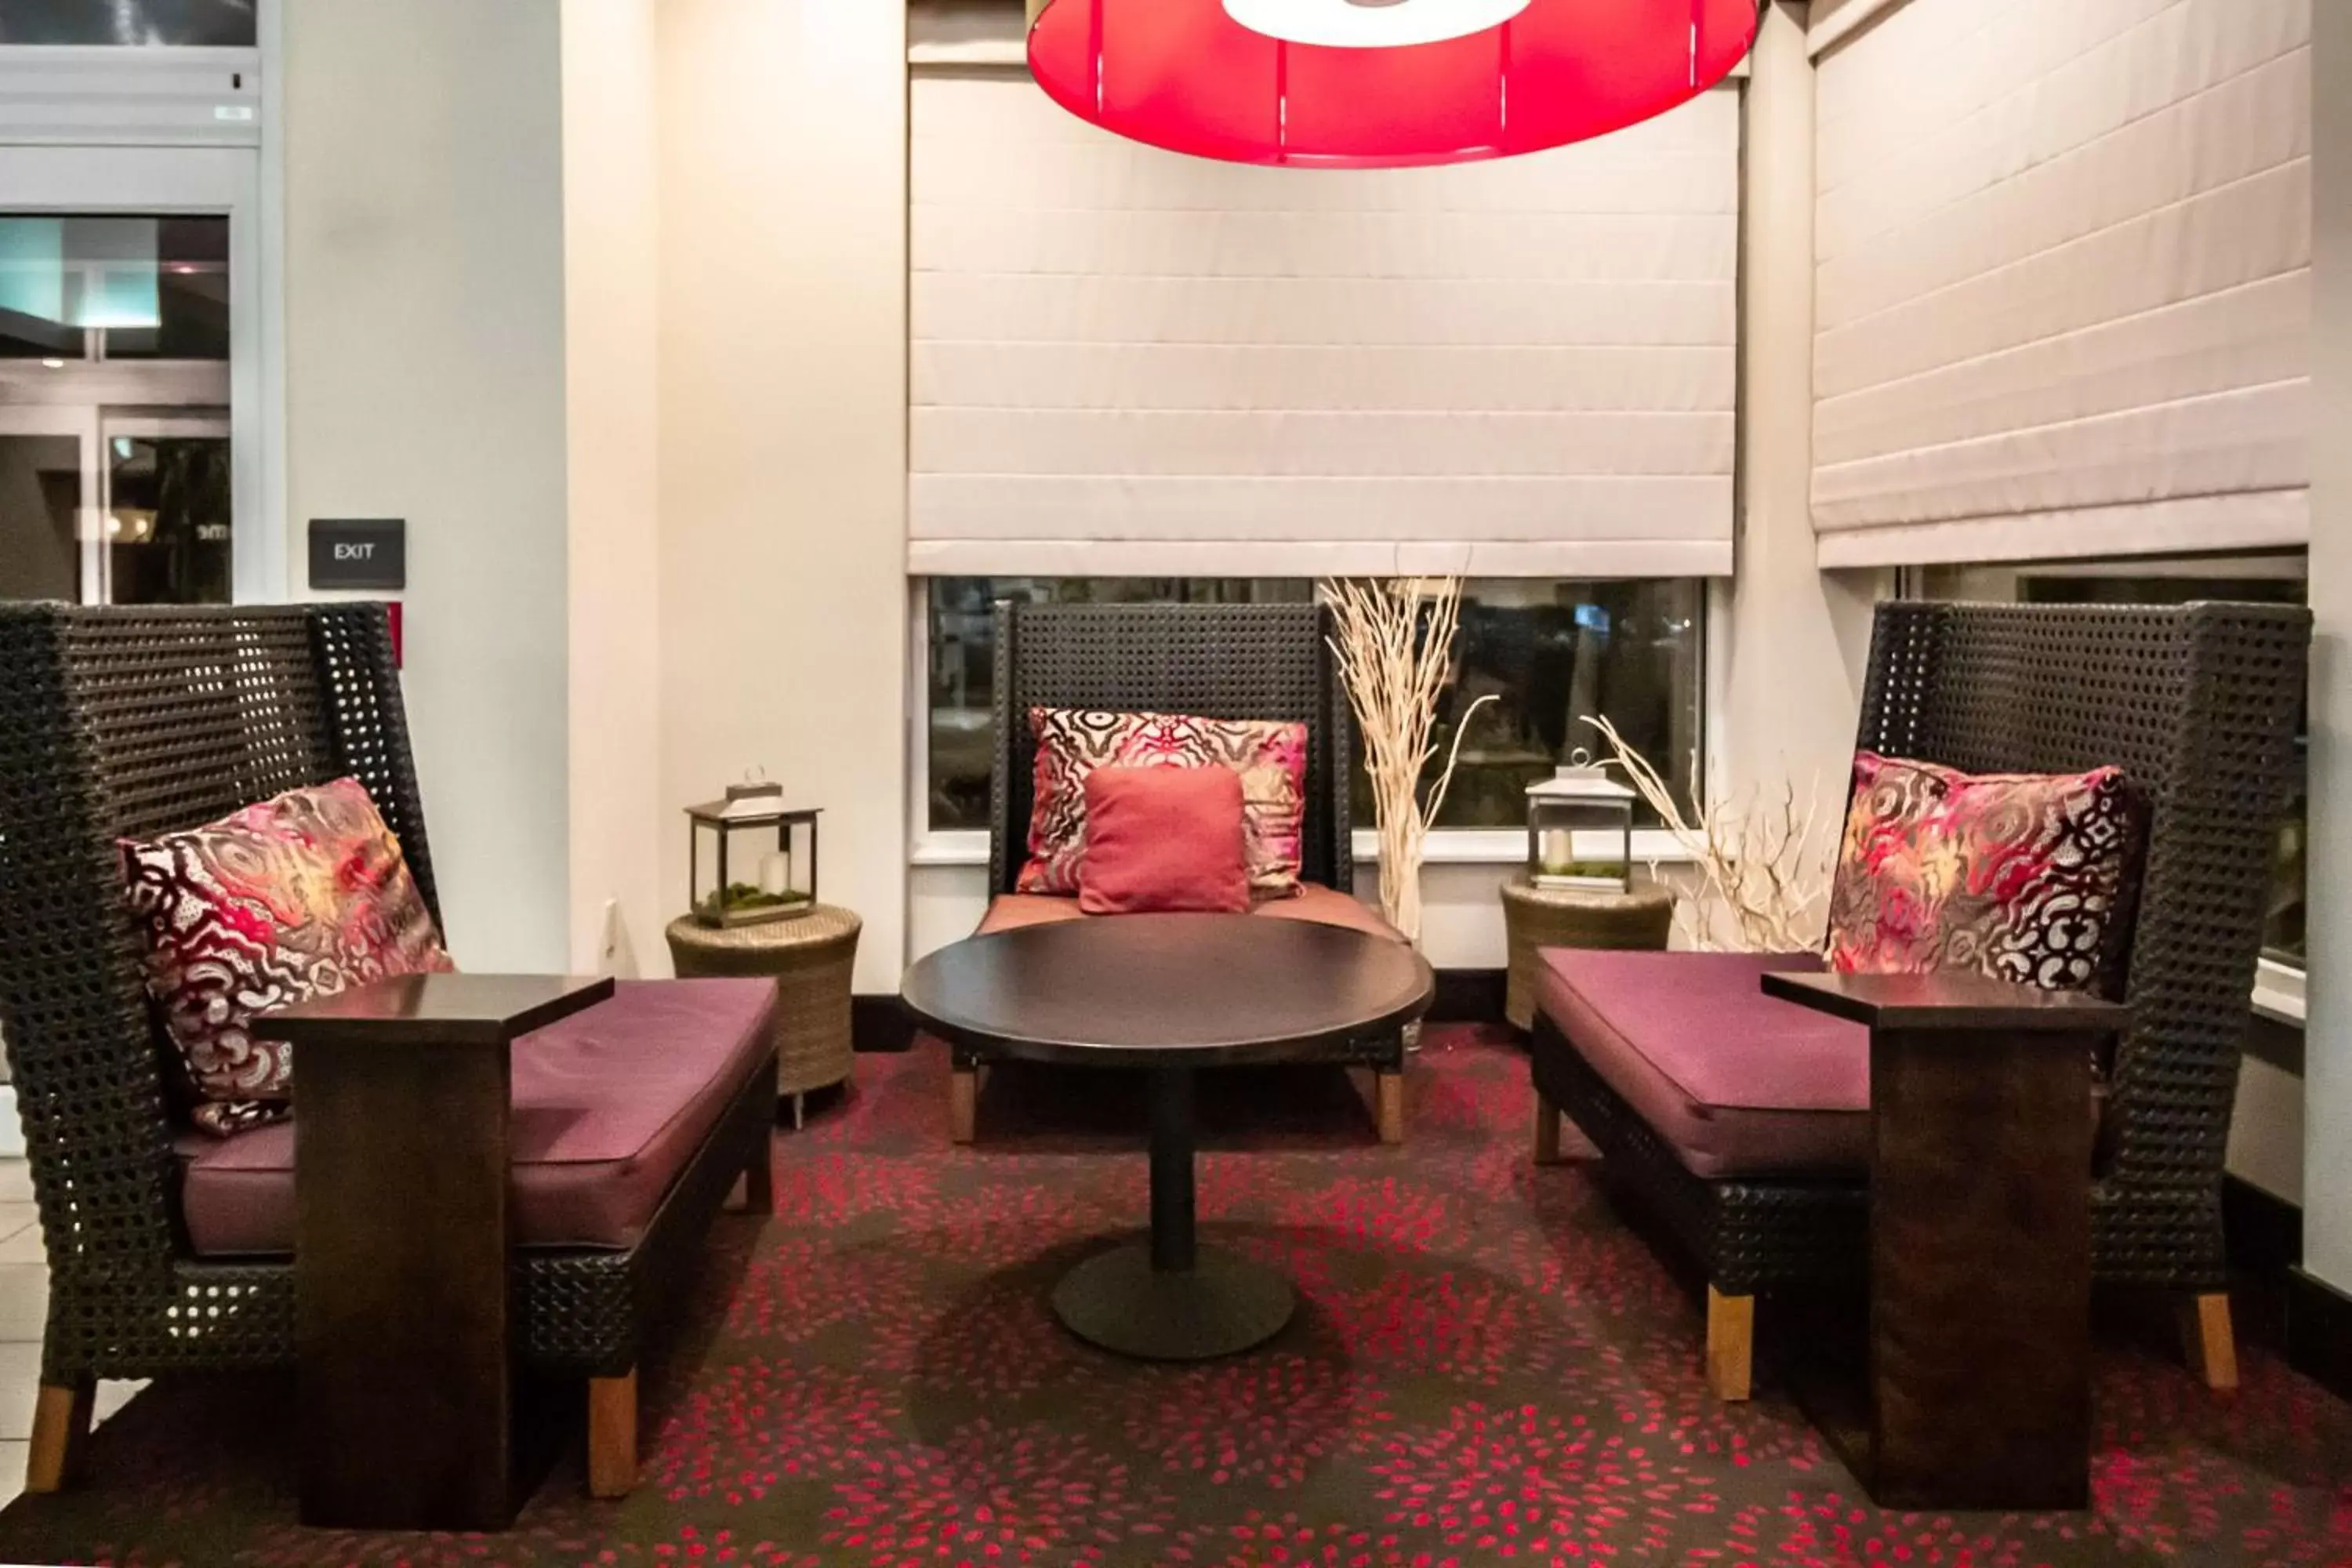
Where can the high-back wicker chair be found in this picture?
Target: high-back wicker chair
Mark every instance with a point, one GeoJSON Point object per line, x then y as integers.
{"type": "Point", "coordinates": [1220, 661]}
{"type": "Point", "coordinates": [133, 723]}
{"type": "Point", "coordinates": [2199, 704]}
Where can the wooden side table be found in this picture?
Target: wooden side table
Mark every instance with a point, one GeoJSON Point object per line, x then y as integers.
{"type": "Point", "coordinates": [811, 957]}
{"type": "Point", "coordinates": [1976, 1391]}
{"type": "Point", "coordinates": [1538, 917]}
{"type": "Point", "coordinates": [403, 1336]}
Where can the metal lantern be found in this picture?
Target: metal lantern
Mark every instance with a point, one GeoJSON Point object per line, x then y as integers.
{"type": "Point", "coordinates": [750, 861]}
{"type": "Point", "coordinates": [1581, 832]}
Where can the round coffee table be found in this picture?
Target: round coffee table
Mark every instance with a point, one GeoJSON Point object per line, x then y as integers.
{"type": "Point", "coordinates": [1170, 994]}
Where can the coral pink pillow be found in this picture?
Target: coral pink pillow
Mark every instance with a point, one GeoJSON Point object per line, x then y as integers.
{"type": "Point", "coordinates": [1163, 839]}
{"type": "Point", "coordinates": [1268, 755]}
{"type": "Point", "coordinates": [301, 896]}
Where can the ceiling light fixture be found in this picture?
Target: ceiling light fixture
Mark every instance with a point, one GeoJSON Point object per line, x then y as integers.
{"type": "Point", "coordinates": [1371, 24]}
{"type": "Point", "coordinates": [1368, 84]}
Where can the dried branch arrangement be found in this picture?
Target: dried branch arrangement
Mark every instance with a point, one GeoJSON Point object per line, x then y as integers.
{"type": "Point", "coordinates": [1394, 641]}
{"type": "Point", "coordinates": [1763, 865]}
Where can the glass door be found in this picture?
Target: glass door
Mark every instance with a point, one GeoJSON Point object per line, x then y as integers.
{"type": "Point", "coordinates": [169, 520]}
{"type": "Point", "coordinates": [50, 481]}
{"type": "Point", "coordinates": [129, 469]}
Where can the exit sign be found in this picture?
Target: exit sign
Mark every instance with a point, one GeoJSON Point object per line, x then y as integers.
{"type": "Point", "coordinates": [371, 553]}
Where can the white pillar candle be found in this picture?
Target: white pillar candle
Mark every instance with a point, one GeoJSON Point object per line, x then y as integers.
{"type": "Point", "coordinates": [1558, 850]}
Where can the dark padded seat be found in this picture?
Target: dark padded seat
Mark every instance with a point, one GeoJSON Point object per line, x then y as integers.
{"type": "Point", "coordinates": [610, 1106]}
{"type": "Point", "coordinates": [1734, 1082]}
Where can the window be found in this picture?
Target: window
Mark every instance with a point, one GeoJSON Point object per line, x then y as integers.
{"type": "Point", "coordinates": [116, 474]}
{"type": "Point", "coordinates": [109, 287]}
{"type": "Point", "coordinates": [1549, 651]}
{"type": "Point", "coordinates": [2273, 579]}
{"type": "Point", "coordinates": [221, 24]}
{"type": "Point", "coordinates": [964, 654]}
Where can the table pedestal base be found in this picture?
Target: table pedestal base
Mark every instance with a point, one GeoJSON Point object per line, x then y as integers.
{"type": "Point", "coordinates": [1165, 1299]}
{"type": "Point", "coordinates": [1221, 1305]}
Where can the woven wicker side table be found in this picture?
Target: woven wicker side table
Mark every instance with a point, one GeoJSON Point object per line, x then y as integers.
{"type": "Point", "coordinates": [1544, 917]}
{"type": "Point", "coordinates": [811, 957]}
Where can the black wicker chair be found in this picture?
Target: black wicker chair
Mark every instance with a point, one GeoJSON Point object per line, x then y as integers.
{"type": "Point", "coordinates": [2200, 704]}
{"type": "Point", "coordinates": [1221, 661]}
{"type": "Point", "coordinates": [124, 723]}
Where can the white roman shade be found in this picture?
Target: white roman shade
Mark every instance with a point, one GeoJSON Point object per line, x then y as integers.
{"type": "Point", "coordinates": [1129, 362]}
{"type": "Point", "coordinates": [2065, 292]}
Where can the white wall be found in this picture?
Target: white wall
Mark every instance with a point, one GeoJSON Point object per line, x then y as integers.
{"type": "Point", "coordinates": [782, 420]}
{"type": "Point", "coordinates": [2266, 1128]}
{"type": "Point", "coordinates": [425, 380]}
{"type": "Point", "coordinates": [1797, 638]}
{"type": "Point", "coordinates": [2328, 1110]}
{"type": "Point", "coordinates": [612, 213]}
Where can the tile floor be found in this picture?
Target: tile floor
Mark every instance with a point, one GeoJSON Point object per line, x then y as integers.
{"type": "Point", "coordinates": [24, 1305]}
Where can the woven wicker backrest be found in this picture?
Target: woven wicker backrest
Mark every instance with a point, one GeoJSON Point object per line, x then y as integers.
{"type": "Point", "coordinates": [126, 724]}
{"type": "Point", "coordinates": [2199, 704]}
{"type": "Point", "coordinates": [1221, 661]}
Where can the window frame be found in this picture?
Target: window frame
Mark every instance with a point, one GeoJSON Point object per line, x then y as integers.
{"type": "Point", "coordinates": [927, 846]}
{"type": "Point", "coordinates": [206, 182]}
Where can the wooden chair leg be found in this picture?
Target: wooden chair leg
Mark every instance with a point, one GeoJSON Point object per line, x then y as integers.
{"type": "Point", "coordinates": [759, 1182]}
{"type": "Point", "coordinates": [2211, 1343]}
{"type": "Point", "coordinates": [963, 1104]}
{"type": "Point", "coordinates": [1388, 1094]}
{"type": "Point", "coordinates": [1546, 1131]}
{"type": "Point", "coordinates": [61, 1415]}
{"type": "Point", "coordinates": [1730, 1344]}
{"type": "Point", "coordinates": [613, 1434]}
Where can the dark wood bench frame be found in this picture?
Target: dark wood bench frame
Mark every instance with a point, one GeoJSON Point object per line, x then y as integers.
{"type": "Point", "coordinates": [131, 722]}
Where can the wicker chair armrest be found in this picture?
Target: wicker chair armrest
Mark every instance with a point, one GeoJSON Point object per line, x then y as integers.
{"type": "Point", "coordinates": [1954, 1002]}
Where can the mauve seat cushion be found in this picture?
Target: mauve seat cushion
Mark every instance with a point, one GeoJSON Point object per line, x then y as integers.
{"type": "Point", "coordinates": [609, 1105]}
{"type": "Point", "coordinates": [1325, 906]}
{"type": "Point", "coordinates": [1739, 1083]}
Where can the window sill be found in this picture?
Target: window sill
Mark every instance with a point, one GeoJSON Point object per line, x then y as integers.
{"type": "Point", "coordinates": [1508, 847]}
{"type": "Point", "coordinates": [1446, 846]}
{"type": "Point", "coordinates": [2278, 993]}
{"type": "Point", "coordinates": [949, 849]}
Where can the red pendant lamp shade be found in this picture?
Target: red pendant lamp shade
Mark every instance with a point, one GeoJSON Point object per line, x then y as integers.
{"type": "Point", "coordinates": [1182, 74]}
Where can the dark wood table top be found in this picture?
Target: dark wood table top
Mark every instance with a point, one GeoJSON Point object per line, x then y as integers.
{"type": "Point", "coordinates": [1954, 1001]}
{"type": "Point", "coordinates": [443, 1009]}
{"type": "Point", "coordinates": [1169, 990]}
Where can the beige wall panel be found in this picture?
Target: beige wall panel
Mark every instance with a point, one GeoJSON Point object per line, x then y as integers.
{"type": "Point", "coordinates": [425, 380]}
{"type": "Point", "coordinates": [784, 415]}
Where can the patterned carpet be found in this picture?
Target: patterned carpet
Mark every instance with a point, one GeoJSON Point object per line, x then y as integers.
{"type": "Point", "coordinates": [1489, 1367]}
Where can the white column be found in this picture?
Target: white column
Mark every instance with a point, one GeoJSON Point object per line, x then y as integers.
{"type": "Point", "coordinates": [2327, 1107]}
{"type": "Point", "coordinates": [612, 218]}
{"type": "Point", "coordinates": [783, 430]}
{"type": "Point", "coordinates": [425, 380]}
{"type": "Point", "coordinates": [1797, 638]}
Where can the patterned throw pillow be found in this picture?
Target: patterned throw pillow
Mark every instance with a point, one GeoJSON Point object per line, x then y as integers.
{"type": "Point", "coordinates": [2027, 878]}
{"type": "Point", "coordinates": [298, 896]}
{"type": "Point", "coordinates": [1269, 755]}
